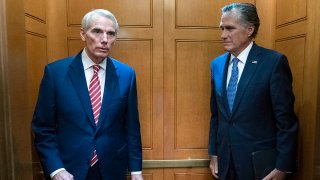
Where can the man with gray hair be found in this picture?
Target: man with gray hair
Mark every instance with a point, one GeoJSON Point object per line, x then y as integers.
{"type": "Point", "coordinates": [252, 103]}
{"type": "Point", "coordinates": [86, 122]}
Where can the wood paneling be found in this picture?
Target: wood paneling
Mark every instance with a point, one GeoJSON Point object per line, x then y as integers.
{"type": "Point", "coordinates": [35, 9]}
{"type": "Point", "coordinates": [36, 59]}
{"type": "Point", "coordinates": [137, 13]}
{"type": "Point", "coordinates": [170, 43]}
{"type": "Point", "coordinates": [188, 174]}
{"type": "Point", "coordinates": [267, 15]}
{"type": "Point", "coordinates": [36, 48]}
{"type": "Point", "coordinates": [138, 54]}
{"type": "Point", "coordinates": [5, 171]}
{"type": "Point", "coordinates": [297, 35]}
{"type": "Point", "coordinates": [294, 49]}
{"type": "Point", "coordinates": [192, 14]}
{"type": "Point", "coordinates": [16, 153]}
{"type": "Point", "coordinates": [192, 93]}
{"type": "Point", "coordinates": [289, 11]}
{"type": "Point", "coordinates": [75, 45]}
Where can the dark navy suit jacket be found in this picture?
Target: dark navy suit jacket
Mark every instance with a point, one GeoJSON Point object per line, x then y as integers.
{"type": "Point", "coordinates": [63, 123]}
{"type": "Point", "coordinates": [263, 113]}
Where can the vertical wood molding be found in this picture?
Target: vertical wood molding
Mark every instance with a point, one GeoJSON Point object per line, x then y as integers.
{"type": "Point", "coordinates": [267, 15]}
{"type": "Point", "coordinates": [15, 150]}
{"type": "Point", "coordinates": [6, 163]}
{"type": "Point", "coordinates": [309, 154]}
{"type": "Point", "coordinates": [313, 56]}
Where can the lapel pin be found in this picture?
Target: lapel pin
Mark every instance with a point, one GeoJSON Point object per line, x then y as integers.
{"type": "Point", "coordinates": [254, 62]}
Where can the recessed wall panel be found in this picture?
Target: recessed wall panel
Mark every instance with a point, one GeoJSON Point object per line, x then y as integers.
{"type": "Point", "coordinates": [192, 176]}
{"type": "Point", "coordinates": [137, 53]}
{"type": "Point", "coordinates": [36, 9]}
{"type": "Point", "coordinates": [200, 14]}
{"type": "Point", "coordinates": [139, 13]}
{"type": "Point", "coordinates": [192, 93]}
{"type": "Point", "coordinates": [289, 11]}
{"type": "Point", "coordinates": [294, 49]}
{"type": "Point", "coordinates": [36, 51]}
{"type": "Point", "coordinates": [75, 45]}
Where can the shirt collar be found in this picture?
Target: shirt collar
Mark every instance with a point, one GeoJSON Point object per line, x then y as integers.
{"type": "Point", "coordinates": [243, 56]}
{"type": "Point", "coordinates": [87, 62]}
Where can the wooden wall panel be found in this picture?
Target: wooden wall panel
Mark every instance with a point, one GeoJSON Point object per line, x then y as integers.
{"type": "Point", "coordinates": [187, 98]}
{"type": "Point", "coordinates": [295, 52]}
{"type": "Point", "coordinates": [188, 174]}
{"type": "Point", "coordinates": [289, 11]}
{"type": "Point", "coordinates": [138, 13]}
{"type": "Point", "coordinates": [170, 44]}
{"type": "Point", "coordinates": [36, 48]}
{"type": "Point", "coordinates": [138, 54]}
{"type": "Point", "coordinates": [35, 9]}
{"type": "Point", "coordinates": [297, 35]}
{"type": "Point", "coordinates": [15, 151]}
{"type": "Point", "coordinates": [36, 58]}
{"type": "Point", "coordinates": [192, 14]}
{"type": "Point", "coordinates": [192, 93]}
{"type": "Point", "coordinates": [267, 15]}
{"type": "Point", "coordinates": [75, 45]}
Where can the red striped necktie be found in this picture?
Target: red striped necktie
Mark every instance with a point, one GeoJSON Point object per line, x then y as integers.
{"type": "Point", "coordinates": [95, 97]}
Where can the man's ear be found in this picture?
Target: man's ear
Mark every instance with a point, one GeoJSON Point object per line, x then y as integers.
{"type": "Point", "coordinates": [250, 31]}
{"type": "Point", "coordinates": [82, 35]}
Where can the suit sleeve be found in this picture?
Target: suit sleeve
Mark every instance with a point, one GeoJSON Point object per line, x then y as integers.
{"type": "Point", "coordinates": [44, 125]}
{"type": "Point", "coordinates": [133, 129]}
{"type": "Point", "coordinates": [286, 120]}
{"type": "Point", "coordinates": [212, 149]}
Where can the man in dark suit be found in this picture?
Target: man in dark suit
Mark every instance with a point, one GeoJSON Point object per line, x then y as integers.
{"type": "Point", "coordinates": [86, 122]}
{"type": "Point", "coordinates": [252, 104]}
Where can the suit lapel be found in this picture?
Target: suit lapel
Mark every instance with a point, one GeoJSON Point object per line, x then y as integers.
{"type": "Point", "coordinates": [110, 84]}
{"type": "Point", "coordinates": [224, 86]}
{"type": "Point", "coordinates": [78, 79]}
{"type": "Point", "coordinates": [248, 71]}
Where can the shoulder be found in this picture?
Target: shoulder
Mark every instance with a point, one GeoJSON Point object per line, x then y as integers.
{"type": "Point", "coordinates": [270, 53]}
{"type": "Point", "coordinates": [220, 60]}
{"type": "Point", "coordinates": [61, 63]}
{"type": "Point", "coordinates": [120, 65]}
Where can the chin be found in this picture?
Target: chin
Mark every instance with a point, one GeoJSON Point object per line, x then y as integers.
{"type": "Point", "coordinates": [102, 55]}
{"type": "Point", "coordinates": [227, 49]}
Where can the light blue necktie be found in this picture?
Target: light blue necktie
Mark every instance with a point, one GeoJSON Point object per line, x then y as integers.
{"type": "Point", "coordinates": [232, 86]}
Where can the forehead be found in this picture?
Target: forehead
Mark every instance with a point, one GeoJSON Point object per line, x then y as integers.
{"type": "Point", "coordinates": [99, 21]}
{"type": "Point", "coordinates": [230, 18]}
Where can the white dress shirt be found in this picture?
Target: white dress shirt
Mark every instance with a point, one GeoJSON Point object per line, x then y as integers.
{"type": "Point", "coordinates": [243, 56]}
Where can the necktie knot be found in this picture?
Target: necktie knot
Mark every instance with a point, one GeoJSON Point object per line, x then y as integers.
{"type": "Point", "coordinates": [235, 62]}
{"type": "Point", "coordinates": [96, 68]}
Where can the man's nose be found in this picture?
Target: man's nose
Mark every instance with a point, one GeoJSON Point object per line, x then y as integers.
{"type": "Point", "coordinates": [104, 37]}
{"type": "Point", "coordinates": [223, 34]}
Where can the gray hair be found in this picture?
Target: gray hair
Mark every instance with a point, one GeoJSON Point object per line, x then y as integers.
{"type": "Point", "coordinates": [86, 20]}
{"type": "Point", "coordinates": [247, 13]}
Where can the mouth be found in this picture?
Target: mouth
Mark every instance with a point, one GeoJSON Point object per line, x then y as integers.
{"type": "Point", "coordinates": [103, 49]}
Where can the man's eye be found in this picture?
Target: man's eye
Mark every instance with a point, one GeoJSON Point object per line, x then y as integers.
{"type": "Point", "coordinates": [111, 33]}
{"type": "Point", "coordinates": [96, 31]}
